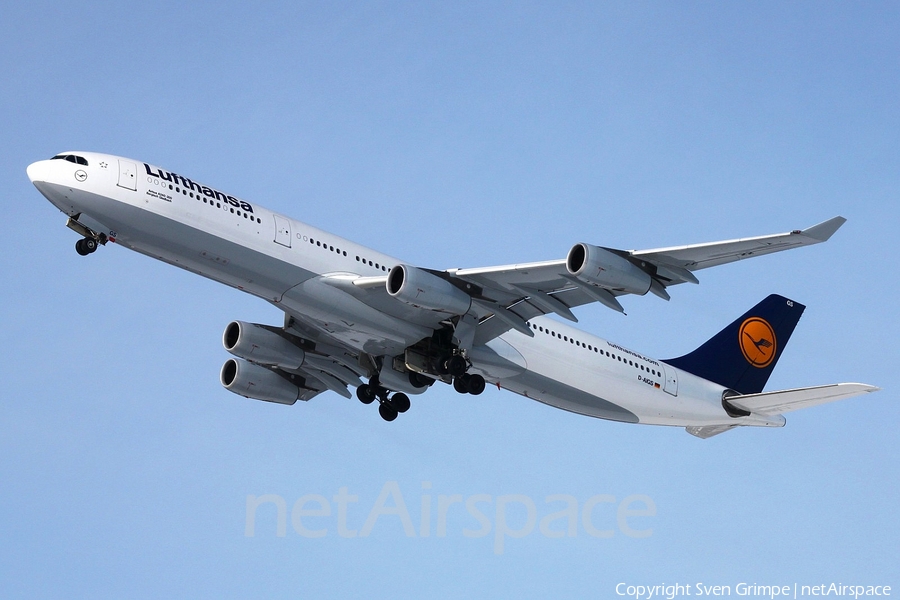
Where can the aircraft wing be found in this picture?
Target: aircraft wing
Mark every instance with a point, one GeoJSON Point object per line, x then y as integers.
{"type": "Point", "coordinates": [701, 256]}
{"type": "Point", "coordinates": [516, 293]}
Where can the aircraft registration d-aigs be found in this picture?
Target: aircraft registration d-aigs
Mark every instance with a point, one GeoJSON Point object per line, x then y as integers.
{"type": "Point", "coordinates": [354, 317]}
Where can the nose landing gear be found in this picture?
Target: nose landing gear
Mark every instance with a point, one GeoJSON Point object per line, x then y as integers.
{"type": "Point", "coordinates": [86, 246]}
{"type": "Point", "coordinates": [90, 240]}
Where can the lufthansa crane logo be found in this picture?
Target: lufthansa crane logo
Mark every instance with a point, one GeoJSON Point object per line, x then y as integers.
{"type": "Point", "coordinates": [757, 340]}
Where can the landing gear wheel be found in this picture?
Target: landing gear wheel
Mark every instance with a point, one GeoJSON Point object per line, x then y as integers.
{"type": "Point", "coordinates": [457, 365]}
{"type": "Point", "coordinates": [418, 380]}
{"type": "Point", "coordinates": [365, 393]}
{"type": "Point", "coordinates": [387, 412]}
{"type": "Point", "coordinates": [476, 384]}
{"type": "Point", "coordinates": [399, 402]}
{"type": "Point", "coordinates": [461, 384]}
{"type": "Point", "coordinates": [441, 366]}
{"type": "Point", "coordinates": [85, 246]}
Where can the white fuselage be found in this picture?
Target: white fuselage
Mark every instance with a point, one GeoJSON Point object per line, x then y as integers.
{"type": "Point", "coordinates": [171, 218]}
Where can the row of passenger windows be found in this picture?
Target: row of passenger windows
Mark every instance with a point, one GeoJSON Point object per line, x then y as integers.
{"type": "Point", "coordinates": [211, 202]}
{"type": "Point", "coordinates": [371, 264]}
{"type": "Point", "coordinates": [591, 348]}
{"type": "Point", "coordinates": [325, 246]}
{"type": "Point", "coordinates": [78, 160]}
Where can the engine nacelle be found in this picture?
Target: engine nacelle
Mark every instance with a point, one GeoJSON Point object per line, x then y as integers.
{"type": "Point", "coordinates": [423, 290]}
{"type": "Point", "coordinates": [257, 382]}
{"type": "Point", "coordinates": [260, 345]}
{"type": "Point", "coordinates": [601, 267]}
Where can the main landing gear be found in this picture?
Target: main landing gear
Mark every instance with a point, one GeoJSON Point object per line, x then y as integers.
{"type": "Point", "coordinates": [457, 366]}
{"type": "Point", "coordinates": [449, 368]}
{"type": "Point", "coordinates": [389, 405]}
{"type": "Point", "coordinates": [469, 384]}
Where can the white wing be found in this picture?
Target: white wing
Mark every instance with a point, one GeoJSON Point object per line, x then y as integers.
{"type": "Point", "coordinates": [522, 291]}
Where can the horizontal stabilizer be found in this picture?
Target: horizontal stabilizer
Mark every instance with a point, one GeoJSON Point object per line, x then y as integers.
{"type": "Point", "coordinates": [773, 403]}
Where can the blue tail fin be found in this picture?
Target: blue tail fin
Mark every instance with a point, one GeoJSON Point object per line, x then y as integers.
{"type": "Point", "coordinates": [744, 354]}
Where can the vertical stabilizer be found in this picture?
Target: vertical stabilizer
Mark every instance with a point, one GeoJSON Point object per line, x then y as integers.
{"type": "Point", "coordinates": [743, 355]}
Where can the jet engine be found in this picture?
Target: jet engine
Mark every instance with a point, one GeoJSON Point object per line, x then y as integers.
{"type": "Point", "coordinates": [257, 382]}
{"type": "Point", "coordinates": [598, 266]}
{"type": "Point", "coordinates": [260, 345]}
{"type": "Point", "coordinates": [421, 289]}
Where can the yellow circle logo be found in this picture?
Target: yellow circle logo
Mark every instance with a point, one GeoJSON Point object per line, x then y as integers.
{"type": "Point", "coordinates": [757, 340]}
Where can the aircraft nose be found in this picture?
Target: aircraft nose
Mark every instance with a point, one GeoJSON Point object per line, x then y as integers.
{"type": "Point", "coordinates": [37, 171]}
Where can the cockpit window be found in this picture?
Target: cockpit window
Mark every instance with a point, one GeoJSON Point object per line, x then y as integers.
{"type": "Point", "coordinates": [78, 160]}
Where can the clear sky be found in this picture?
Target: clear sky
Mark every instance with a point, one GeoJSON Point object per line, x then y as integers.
{"type": "Point", "coordinates": [450, 135]}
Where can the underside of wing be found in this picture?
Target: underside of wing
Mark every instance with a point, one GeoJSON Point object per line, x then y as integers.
{"type": "Point", "coordinates": [286, 364]}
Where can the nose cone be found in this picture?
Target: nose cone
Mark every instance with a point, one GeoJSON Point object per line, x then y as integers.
{"type": "Point", "coordinates": [37, 171]}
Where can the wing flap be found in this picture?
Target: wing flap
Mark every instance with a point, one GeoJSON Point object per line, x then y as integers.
{"type": "Point", "coordinates": [773, 403]}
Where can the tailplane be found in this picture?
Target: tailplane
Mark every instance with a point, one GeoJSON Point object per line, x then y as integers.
{"type": "Point", "coordinates": [743, 355]}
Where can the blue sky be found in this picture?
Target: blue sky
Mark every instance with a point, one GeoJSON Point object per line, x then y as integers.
{"type": "Point", "coordinates": [451, 135]}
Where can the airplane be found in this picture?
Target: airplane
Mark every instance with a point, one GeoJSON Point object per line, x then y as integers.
{"type": "Point", "coordinates": [355, 317]}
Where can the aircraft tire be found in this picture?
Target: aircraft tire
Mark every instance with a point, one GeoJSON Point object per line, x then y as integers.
{"type": "Point", "coordinates": [365, 393]}
{"type": "Point", "coordinates": [457, 366]}
{"type": "Point", "coordinates": [418, 380]}
{"type": "Point", "coordinates": [476, 384]}
{"type": "Point", "coordinates": [387, 412]}
{"type": "Point", "coordinates": [80, 249]}
{"type": "Point", "coordinates": [400, 402]}
{"type": "Point", "coordinates": [461, 384]}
